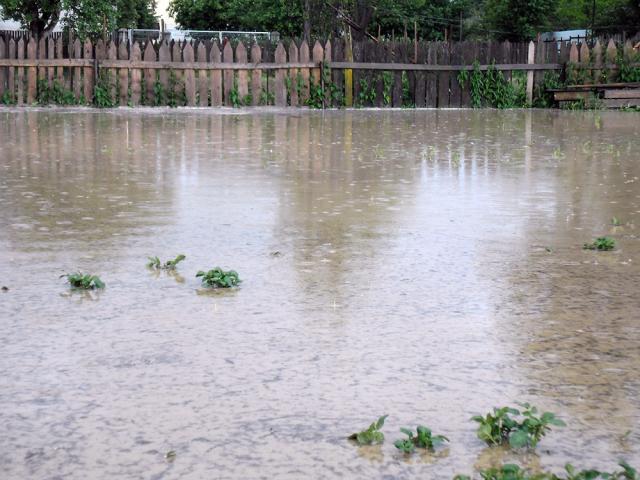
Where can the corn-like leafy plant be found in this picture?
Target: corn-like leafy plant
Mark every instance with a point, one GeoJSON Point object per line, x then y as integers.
{"type": "Point", "coordinates": [154, 262]}
{"type": "Point", "coordinates": [518, 429]}
{"type": "Point", "coordinates": [83, 281]}
{"type": "Point", "coordinates": [218, 278]}
{"type": "Point", "coordinates": [423, 439]}
{"type": "Point", "coordinates": [601, 243]}
{"type": "Point", "coordinates": [372, 434]}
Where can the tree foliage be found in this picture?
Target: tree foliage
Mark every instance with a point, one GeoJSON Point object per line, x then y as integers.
{"type": "Point", "coordinates": [88, 18]}
{"type": "Point", "coordinates": [518, 19]}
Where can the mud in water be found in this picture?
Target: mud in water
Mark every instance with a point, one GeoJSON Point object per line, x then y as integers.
{"type": "Point", "coordinates": [423, 264]}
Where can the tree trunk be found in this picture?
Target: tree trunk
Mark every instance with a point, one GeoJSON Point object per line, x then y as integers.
{"type": "Point", "coordinates": [306, 34]}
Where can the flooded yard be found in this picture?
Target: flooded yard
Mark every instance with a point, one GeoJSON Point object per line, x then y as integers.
{"type": "Point", "coordinates": [422, 264]}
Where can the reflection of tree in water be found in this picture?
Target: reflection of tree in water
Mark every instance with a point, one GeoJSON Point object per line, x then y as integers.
{"type": "Point", "coordinates": [569, 316]}
{"type": "Point", "coordinates": [81, 177]}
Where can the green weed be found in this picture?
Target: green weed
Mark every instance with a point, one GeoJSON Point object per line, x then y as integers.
{"type": "Point", "coordinates": [616, 222]}
{"type": "Point", "coordinates": [517, 428]}
{"type": "Point", "coordinates": [55, 94]}
{"type": "Point", "coordinates": [154, 262]}
{"type": "Point", "coordinates": [218, 278]}
{"type": "Point", "coordinates": [102, 92]}
{"type": "Point", "coordinates": [423, 439]}
{"type": "Point", "coordinates": [601, 243]}
{"type": "Point", "coordinates": [491, 89]}
{"type": "Point", "coordinates": [83, 281]}
{"type": "Point", "coordinates": [372, 434]}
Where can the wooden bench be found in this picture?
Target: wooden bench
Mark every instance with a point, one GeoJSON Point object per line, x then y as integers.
{"type": "Point", "coordinates": [607, 95]}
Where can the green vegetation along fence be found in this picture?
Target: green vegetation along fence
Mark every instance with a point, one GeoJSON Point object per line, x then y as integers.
{"type": "Point", "coordinates": [393, 74]}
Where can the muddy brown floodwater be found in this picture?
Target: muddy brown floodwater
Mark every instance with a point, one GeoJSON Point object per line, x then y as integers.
{"type": "Point", "coordinates": [423, 264]}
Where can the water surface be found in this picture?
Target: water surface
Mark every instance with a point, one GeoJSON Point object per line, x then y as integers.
{"type": "Point", "coordinates": [423, 264]}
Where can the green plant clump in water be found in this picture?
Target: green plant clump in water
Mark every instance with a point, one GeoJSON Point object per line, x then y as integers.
{"type": "Point", "coordinates": [154, 262]}
{"type": "Point", "coordinates": [424, 439]}
{"type": "Point", "coordinates": [372, 434]}
{"type": "Point", "coordinates": [218, 278]}
{"type": "Point", "coordinates": [616, 222]}
{"type": "Point", "coordinates": [514, 472]}
{"type": "Point", "coordinates": [601, 243]}
{"type": "Point", "coordinates": [518, 429]}
{"type": "Point", "coordinates": [84, 281]}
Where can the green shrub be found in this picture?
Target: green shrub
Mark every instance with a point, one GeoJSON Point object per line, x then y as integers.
{"type": "Point", "coordinates": [83, 281]}
{"type": "Point", "coordinates": [218, 278]}
{"type": "Point", "coordinates": [601, 243]}
{"type": "Point", "coordinates": [372, 434]}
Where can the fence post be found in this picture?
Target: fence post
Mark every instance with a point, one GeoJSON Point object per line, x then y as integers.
{"type": "Point", "coordinates": [2, 69]}
{"type": "Point", "coordinates": [32, 72]}
{"type": "Point", "coordinates": [281, 89]}
{"type": "Point", "coordinates": [293, 74]}
{"type": "Point", "coordinates": [88, 72]}
{"type": "Point", "coordinates": [227, 57]}
{"type": "Point", "coordinates": [256, 76]}
{"type": "Point", "coordinates": [348, 73]}
{"type": "Point", "coordinates": [530, 60]}
{"type": "Point", "coordinates": [612, 52]}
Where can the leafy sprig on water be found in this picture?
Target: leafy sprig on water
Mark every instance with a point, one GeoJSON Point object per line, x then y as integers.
{"type": "Point", "coordinates": [511, 471]}
{"type": "Point", "coordinates": [518, 429]}
{"type": "Point", "coordinates": [83, 281]}
{"type": "Point", "coordinates": [154, 262]}
{"type": "Point", "coordinates": [372, 434]}
{"type": "Point", "coordinates": [218, 278]}
{"type": "Point", "coordinates": [423, 439]}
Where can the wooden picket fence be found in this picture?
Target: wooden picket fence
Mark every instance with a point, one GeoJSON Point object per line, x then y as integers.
{"type": "Point", "coordinates": [423, 74]}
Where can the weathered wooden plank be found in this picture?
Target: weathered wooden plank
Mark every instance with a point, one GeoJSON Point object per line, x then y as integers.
{"type": "Point", "coordinates": [420, 76]}
{"type": "Point", "coordinates": [396, 86]}
{"type": "Point", "coordinates": [627, 93]}
{"type": "Point", "coordinates": [203, 79]}
{"type": "Point", "coordinates": [506, 58]}
{"type": "Point", "coordinates": [304, 73]}
{"type": "Point", "coordinates": [293, 75]}
{"type": "Point", "coordinates": [597, 62]}
{"type": "Point", "coordinates": [612, 53]}
{"type": "Point", "coordinates": [338, 56]}
{"type": "Point", "coordinates": [42, 54]}
{"type": "Point", "coordinates": [123, 80]}
{"type": "Point", "coordinates": [88, 72]}
{"type": "Point", "coordinates": [112, 73]}
{"type": "Point", "coordinates": [565, 96]}
{"type": "Point", "coordinates": [540, 56]}
{"type": "Point", "coordinates": [455, 91]}
{"type": "Point", "coordinates": [280, 87]}
{"type": "Point", "coordinates": [177, 74]}
{"type": "Point", "coordinates": [136, 75]}
{"type": "Point", "coordinates": [431, 86]}
{"type": "Point", "coordinates": [149, 55]}
{"type": "Point", "coordinates": [358, 75]}
{"type": "Point", "coordinates": [32, 73]}
{"type": "Point", "coordinates": [326, 59]}
{"type": "Point", "coordinates": [318, 58]}
{"type": "Point", "coordinates": [51, 55]}
{"type": "Point", "coordinates": [164, 55]}
{"type": "Point", "coordinates": [11, 82]}
{"type": "Point", "coordinates": [621, 103]}
{"type": "Point", "coordinates": [256, 76]}
{"type": "Point", "coordinates": [64, 81]}
{"type": "Point", "coordinates": [243, 77]}
{"type": "Point", "coordinates": [3, 70]}
{"type": "Point", "coordinates": [216, 75]}
{"type": "Point", "coordinates": [531, 59]}
{"type": "Point", "coordinates": [468, 59]}
{"type": "Point", "coordinates": [189, 75]}
{"type": "Point", "coordinates": [20, 75]}
{"type": "Point", "coordinates": [380, 53]}
{"type": "Point", "coordinates": [443, 77]}
{"type": "Point", "coordinates": [227, 57]}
